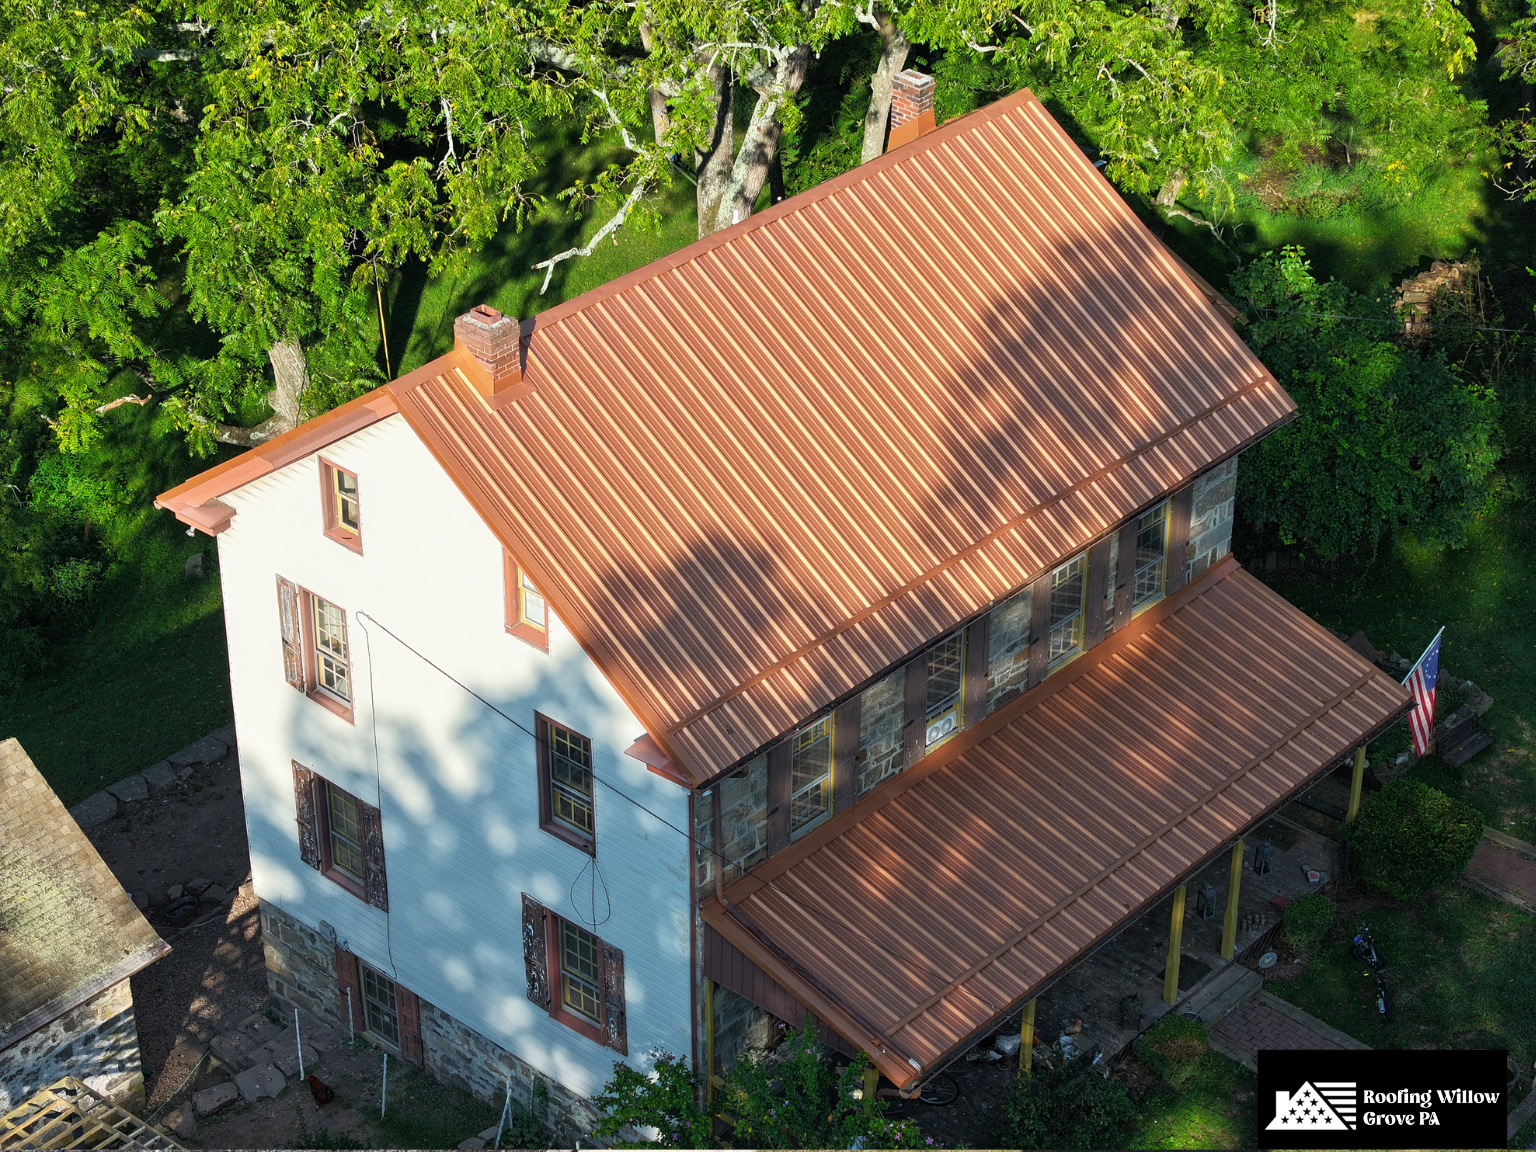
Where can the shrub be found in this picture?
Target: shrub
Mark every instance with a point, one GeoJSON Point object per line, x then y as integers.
{"type": "Point", "coordinates": [665, 1101]}
{"type": "Point", "coordinates": [1067, 1107]}
{"type": "Point", "coordinates": [1308, 920]}
{"type": "Point", "coordinates": [1174, 1047]}
{"type": "Point", "coordinates": [1412, 837]}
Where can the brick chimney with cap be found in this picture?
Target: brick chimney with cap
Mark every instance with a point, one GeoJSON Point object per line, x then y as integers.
{"type": "Point", "coordinates": [492, 347]}
{"type": "Point", "coordinates": [911, 107]}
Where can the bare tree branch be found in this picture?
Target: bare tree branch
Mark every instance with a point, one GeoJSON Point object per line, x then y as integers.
{"type": "Point", "coordinates": [119, 402]}
{"type": "Point", "coordinates": [602, 234]}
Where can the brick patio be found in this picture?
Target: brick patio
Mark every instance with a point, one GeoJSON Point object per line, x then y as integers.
{"type": "Point", "coordinates": [1266, 1021]}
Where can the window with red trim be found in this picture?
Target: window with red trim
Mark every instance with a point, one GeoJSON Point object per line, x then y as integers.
{"type": "Point", "coordinates": [316, 658]}
{"type": "Point", "coordinates": [527, 611]}
{"type": "Point", "coordinates": [566, 805]}
{"type": "Point", "coordinates": [338, 497]}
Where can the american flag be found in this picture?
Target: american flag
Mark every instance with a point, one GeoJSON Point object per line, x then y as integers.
{"type": "Point", "coordinates": [1421, 682]}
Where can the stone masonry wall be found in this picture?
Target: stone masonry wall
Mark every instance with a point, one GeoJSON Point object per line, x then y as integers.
{"type": "Point", "coordinates": [1008, 649]}
{"type": "Point", "coordinates": [705, 861]}
{"type": "Point", "coordinates": [882, 709]}
{"type": "Point", "coordinates": [1210, 522]}
{"type": "Point", "coordinates": [301, 967]}
{"type": "Point", "coordinates": [740, 1026]}
{"type": "Point", "coordinates": [97, 1043]}
{"type": "Point", "coordinates": [744, 818]}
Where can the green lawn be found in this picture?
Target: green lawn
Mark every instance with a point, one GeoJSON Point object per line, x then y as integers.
{"type": "Point", "coordinates": [1485, 596]}
{"type": "Point", "coordinates": [1217, 1108]}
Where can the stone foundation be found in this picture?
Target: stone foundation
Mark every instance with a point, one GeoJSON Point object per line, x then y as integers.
{"type": "Point", "coordinates": [740, 1026]}
{"type": "Point", "coordinates": [1210, 518]}
{"type": "Point", "coordinates": [301, 973]}
{"type": "Point", "coordinates": [97, 1043]}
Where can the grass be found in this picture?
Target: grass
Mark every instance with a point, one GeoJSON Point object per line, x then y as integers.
{"type": "Point", "coordinates": [1485, 596]}
{"type": "Point", "coordinates": [1216, 1108]}
{"type": "Point", "coordinates": [1459, 963]}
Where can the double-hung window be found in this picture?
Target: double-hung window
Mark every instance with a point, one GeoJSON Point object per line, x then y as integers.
{"type": "Point", "coordinates": [574, 975]}
{"type": "Point", "coordinates": [527, 610]}
{"type": "Point", "coordinates": [381, 1014]}
{"type": "Point", "coordinates": [945, 688]}
{"type": "Point", "coordinates": [346, 836]}
{"type": "Point", "coordinates": [1151, 573]}
{"type": "Point", "coordinates": [316, 660]}
{"type": "Point", "coordinates": [1069, 584]}
{"type": "Point", "coordinates": [580, 987]}
{"type": "Point", "coordinates": [566, 806]}
{"type": "Point", "coordinates": [338, 495]}
{"type": "Point", "coordinates": [340, 836]}
{"type": "Point", "coordinates": [332, 670]}
{"type": "Point", "coordinates": [810, 796]}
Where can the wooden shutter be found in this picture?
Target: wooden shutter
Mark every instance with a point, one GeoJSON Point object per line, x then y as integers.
{"type": "Point", "coordinates": [536, 951]}
{"type": "Point", "coordinates": [408, 1008]}
{"type": "Point", "coordinates": [845, 764]}
{"type": "Point", "coordinates": [347, 980]}
{"type": "Point", "coordinates": [914, 733]}
{"type": "Point", "coordinates": [1125, 574]}
{"type": "Point", "coordinates": [1039, 630]}
{"type": "Point", "coordinates": [292, 625]}
{"type": "Point", "coordinates": [1178, 537]}
{"type": "Point", "coordinates": [375, 886]}
{"type": "Point", "coordinates": [976, 639]}
{"type": "Point", "coordinates": [1098, 587]}
{"type": "Point", "coordinates": [615, 1030]}
{"type": "Point", "coordinates": [304, 810]}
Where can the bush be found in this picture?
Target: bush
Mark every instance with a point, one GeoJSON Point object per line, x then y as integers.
{"type": "Point", "coordinates": [1068, 1107]}
{"type": "Point", "coordinates": [1308, 920]}
{"type": "Point", "coordinates": [1174, 1047]}
{"type": "Point", "coordinates": [1412, 837]}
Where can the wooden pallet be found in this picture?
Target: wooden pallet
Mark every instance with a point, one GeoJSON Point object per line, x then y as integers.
{"type": "Point", "coordinates": [67, 1114]}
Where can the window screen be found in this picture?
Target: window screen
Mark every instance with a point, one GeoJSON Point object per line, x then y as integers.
{"type": "Point", "coordinates": [1068, 584]}
{"type": "Point", "coordinates": [945, 687]}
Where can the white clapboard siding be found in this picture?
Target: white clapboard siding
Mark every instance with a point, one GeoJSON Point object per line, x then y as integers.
{"type": "Point", "coordinates": [455, 782]}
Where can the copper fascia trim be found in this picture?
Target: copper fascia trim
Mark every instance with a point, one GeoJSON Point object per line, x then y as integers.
{"type": "Point", "coordinates": [649, 753]}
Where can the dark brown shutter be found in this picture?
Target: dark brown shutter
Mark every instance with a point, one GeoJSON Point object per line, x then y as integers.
{"type": "Point", "coordinates": [1125, 573]}
{"type": "Point", "coordinates": [779, 771]}
{"type": "Point", "coordinates": [1039, 630]}
{"type": "Point", "coordinates": [293, 632]}
{"type": "Point", "coordinates": [536, 951]}
{"type": "Point", "coordinates": [615, 1031]}
{"type": "Point", "coordinates": [347, 980]}
{"type": "Point", "coordinates": [845, 763]}
{"type": "Point", "coordinates": [914, 733]}
{"type": "Point", "coordinates": [1098, 585]}
{"type": "Point", "coordinates": [375, 885]}
{"type": "Point", "coordinates": [408, 1008]}
{"type": "Point", "coordinates": [304, 811]}
{"type": "Point", "coordinates": [1178, 538]}
{"type": "Point", "coordinates": [976, 669]}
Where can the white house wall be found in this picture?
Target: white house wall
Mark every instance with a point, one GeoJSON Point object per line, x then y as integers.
{"type": "Point", "coordinates": [455, 782]}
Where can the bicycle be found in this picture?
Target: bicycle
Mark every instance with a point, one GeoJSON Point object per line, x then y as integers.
{"type": "Point", "coordinates": [1363, 949]}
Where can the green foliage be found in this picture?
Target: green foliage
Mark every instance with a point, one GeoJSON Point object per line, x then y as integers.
{"type": "Point", "coordinates": [1411, 837]}
{"type": "Point", "coordinates": [1308, 919]}
{"type": "Point", "coordinates": [1070, 1106]}
{"type": "Point", "coordinates": [663, 1099]}
{"type": "Point", "coordinates": [1174, 1047]}
{"type": "Point", "coordinates": [1386, 440]}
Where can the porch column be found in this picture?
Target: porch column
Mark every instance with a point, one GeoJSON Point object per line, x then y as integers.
{"type": "Point", "coordinates": [1354, 785]}
{"type": "Point", "coordinates": [709, 1041]}
{"type": "Point", "coordinates": [1027, 1040]}
{"type": "Point", "coordinates": [1234, 882]}
{"type": "Point", "coordinates": [1175, 942]}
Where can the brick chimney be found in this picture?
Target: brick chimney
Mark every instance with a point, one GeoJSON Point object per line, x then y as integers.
{"type": "Point", "coordinates": [492, 344]}
{"type": "Point", "coordinates": [911, 107]}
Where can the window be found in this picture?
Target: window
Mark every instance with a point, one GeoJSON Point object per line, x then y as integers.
{"type": "Point", "coordinates": [1068, 585]}
{"type": "Point", "coordinates": [945, 688]}
{"type": "Point", "coordinates": [338, 494]}
{"type": "Point", "coordinates": [574, 975]}
{"type": "Point", "coordinates": [330, 632]}
{"type": "Point", "coordinates": [380, 1016]}
{"type": "Point", "coordinates": [340, 836]}
{"type": "Point", "coordinates": [527, 610]}
{"type": "Point", "coordinates": [565, 785]}
{"type": "Point", "coordinates": [1151, 574]}
{"type": "Point", "coordinates": [810, 796]}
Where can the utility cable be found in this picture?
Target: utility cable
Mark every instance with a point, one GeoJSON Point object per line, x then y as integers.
{"type": "Point", "coordinates": [1390, 320]}
{"type": "Point", "coordinates": [378, 783]}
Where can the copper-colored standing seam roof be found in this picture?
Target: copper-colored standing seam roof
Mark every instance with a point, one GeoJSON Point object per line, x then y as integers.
{"type": "Point", "coordinates": [930, 910]}
{"type": "Point", "coordinates": [755, 474]}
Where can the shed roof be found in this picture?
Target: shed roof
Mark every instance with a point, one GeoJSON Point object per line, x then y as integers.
{"type": "Point", "coordinates": [759, 471]}
{"type": "Point", "coordinates": [67, 928]}
{"type": "Point", "coordinates": [923, 915]}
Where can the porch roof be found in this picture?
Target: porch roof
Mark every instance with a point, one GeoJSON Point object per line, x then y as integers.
{"type": "Point", "coordinates": [917, 919]}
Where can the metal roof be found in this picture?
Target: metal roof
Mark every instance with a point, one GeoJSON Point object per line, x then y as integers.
{"type": "Point", "coordinates": [756, 473]}
{"type": "Point", "coordinates": [921, 916]}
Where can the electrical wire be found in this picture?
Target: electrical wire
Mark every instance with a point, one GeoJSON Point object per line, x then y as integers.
{"type": "Point", "coordinates": [378, 783]}
{"type": "Point", "coordinates": [1389, 320]}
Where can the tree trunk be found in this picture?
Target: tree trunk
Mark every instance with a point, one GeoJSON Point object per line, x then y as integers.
{"type": "Point", "coordinates": [661, 119]}
{"type": "Point", "coordinates": [290, 376]}
{"type": "Point", "coordinates": [1168, 195]}
{"type": "Point", "coordinates": [893, 58]}
{"type": "Point", "coordinates": [760, 144]}
{"type": "Point", "coordinates": [714, 164]}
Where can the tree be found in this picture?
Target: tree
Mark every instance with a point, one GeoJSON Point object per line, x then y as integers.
{"type": "Point", "coordinates": [1387, 440]}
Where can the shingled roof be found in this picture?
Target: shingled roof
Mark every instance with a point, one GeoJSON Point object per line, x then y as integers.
{"type": "Point", "coordinates": [68, 931]}
{"type": "Point", "coordinates": [756, 473]}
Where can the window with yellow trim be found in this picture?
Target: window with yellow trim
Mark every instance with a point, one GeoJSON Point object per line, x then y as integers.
{"type": "Point", "coordinates": [1069, 585]}
{"type": "Point", "coordinates": [811, 766]}
{"type": "Point", "coordinates": [945, 688]}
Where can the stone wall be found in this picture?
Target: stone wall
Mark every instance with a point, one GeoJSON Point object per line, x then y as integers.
{"type": "Point", "coordinates": [1008, 649]}
{"type": "Point", "coordinates": [97, 1043]}
{"type": "Point", "coordinates": [1210, 521]}
{"type": "Point", "coordinates": [705, 862]}
{"type": "Point", "coordinates": [740, 1026]}
{"type": "Point", "coordinates": [301, 968]}
{"type": "Point", "coordinates": [744, 818]}
{"type": "Point", "coordinates": [882, 710]}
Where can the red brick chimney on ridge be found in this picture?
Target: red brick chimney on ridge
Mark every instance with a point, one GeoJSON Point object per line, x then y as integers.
{"type": "Point", "coordinates": [492, 344]}
{"type": "Point", "coordinates": [911, 107]}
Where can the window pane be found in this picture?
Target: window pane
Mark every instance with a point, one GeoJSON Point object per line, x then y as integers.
{"type": "Point", "coordinates": [946, 675]}
{"type": "Point", "coordinates": [346, 836]}
{"type": "Point", "coordinates": [1151, 555]}
{"type": "Point", "coordinates": [578, 971]}
{"type": "Point", "coordinates": [533, 604]}
{"type": "Point", "coordinates": [811, 774]}
{"type": "Point", "coordinates": [1068, 584]}
{"type": "Point", "coordinates": [346, 499]}
{"type": "Point", "coordinates": [379, 1005]}
{"type": "Point", "coordinates": [570, 778]}
{"type": "Point", "coordinates": [331, 650]}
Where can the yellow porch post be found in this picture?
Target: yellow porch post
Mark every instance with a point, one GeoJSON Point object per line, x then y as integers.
{"type": "Point", "coordinates": [1027, 1039]}
{"type": "Point", "coordinates": [1234, 883]}
{"type": "Point", "coordinates": [1175, 942]}
{"type": "Point", "coordinates": [709, 1040]}
{"type": "Point", "coordinates": [1354, 785]}
{"type": "Point", "coordinates": [871, 1084]}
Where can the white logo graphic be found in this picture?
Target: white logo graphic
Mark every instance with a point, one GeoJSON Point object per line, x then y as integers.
{"type": "Point", "coordinates": [1327, 1106]}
